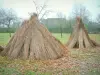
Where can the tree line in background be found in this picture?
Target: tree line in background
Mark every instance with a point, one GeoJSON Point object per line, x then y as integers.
{"type": "Point", "coordinates": [61, 24]}
{"type": "Point", "coordinates": [9, 21]}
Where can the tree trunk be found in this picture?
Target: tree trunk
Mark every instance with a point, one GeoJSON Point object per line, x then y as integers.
{"type": "Point", "coordinates": [8, 25]}
{"type": "Point", "coordinates": [61, 30]}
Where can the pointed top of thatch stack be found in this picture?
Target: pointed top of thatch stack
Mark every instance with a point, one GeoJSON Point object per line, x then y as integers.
{"type": "Point", "coordinates": [78, 19]}
{"type": "Point", "coordinates": [33, 41]}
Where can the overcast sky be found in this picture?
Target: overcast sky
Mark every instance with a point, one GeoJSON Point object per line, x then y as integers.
{"type": "Point", "coordinates": [23, 7]}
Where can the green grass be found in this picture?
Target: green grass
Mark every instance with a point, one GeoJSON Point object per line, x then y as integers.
{"type": "Point", "coordinates": [4, 37]}
{"type": "Point", "coordinates": [9, 71]}
{"type": "Point", "coordinates": [88, 60]}
{"type": "Point", "coordinates": [65, 37]}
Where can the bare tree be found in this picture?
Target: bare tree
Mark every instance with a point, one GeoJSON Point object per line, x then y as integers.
{"type": "Point", "coordinates": [70, 23]}
{"type": "Point", "coordinates": [41, 10]}
{"type": "Point", "coordinates": [61, 19]}
{"type": "Point", "coordinates": [80, 10]}
{"type": "Point", "coordinates": [2, 17]}
{"type": "Point", "coordinates": [98, 19]}
{"type": "Point", "coordinates": [7, 18]}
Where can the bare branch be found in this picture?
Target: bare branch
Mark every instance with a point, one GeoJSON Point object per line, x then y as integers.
{"type": "Point", "coordinates": [35, 6]}
{"type": "Point", "coordinates": [45, 13]}
{"type": "Point", "coordinates": [43, 7]}
{"type": "Point", "coordinates": [41, 10]}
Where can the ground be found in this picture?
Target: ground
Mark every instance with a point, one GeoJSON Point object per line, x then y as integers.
{"type": "Point", "coordinates": [78, 61]}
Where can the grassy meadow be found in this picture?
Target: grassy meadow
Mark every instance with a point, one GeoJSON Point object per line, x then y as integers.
{"type": "Point", "coordinates": [4, 37]}
{"type": "Point", "coordinates": [79, 62]}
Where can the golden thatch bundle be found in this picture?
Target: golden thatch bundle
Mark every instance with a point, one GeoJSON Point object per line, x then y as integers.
{"type": "Point", "coordinates": [80, 38]}
{"type": "Point", "coordinates": [33, 41]}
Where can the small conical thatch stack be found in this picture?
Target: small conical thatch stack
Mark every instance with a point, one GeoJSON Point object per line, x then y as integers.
{"type": "Point", "coordinates": [80, 38]}
{"type": "Point", "coordinates": [1, 48]}
{"type": "Point", "coordinates": [33, 41]}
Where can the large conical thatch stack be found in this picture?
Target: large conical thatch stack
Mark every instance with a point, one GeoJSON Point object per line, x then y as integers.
{"type": "Point", "coordinates": [80, 38]}
{"type": "Point", "coordinates": [33, 41]}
